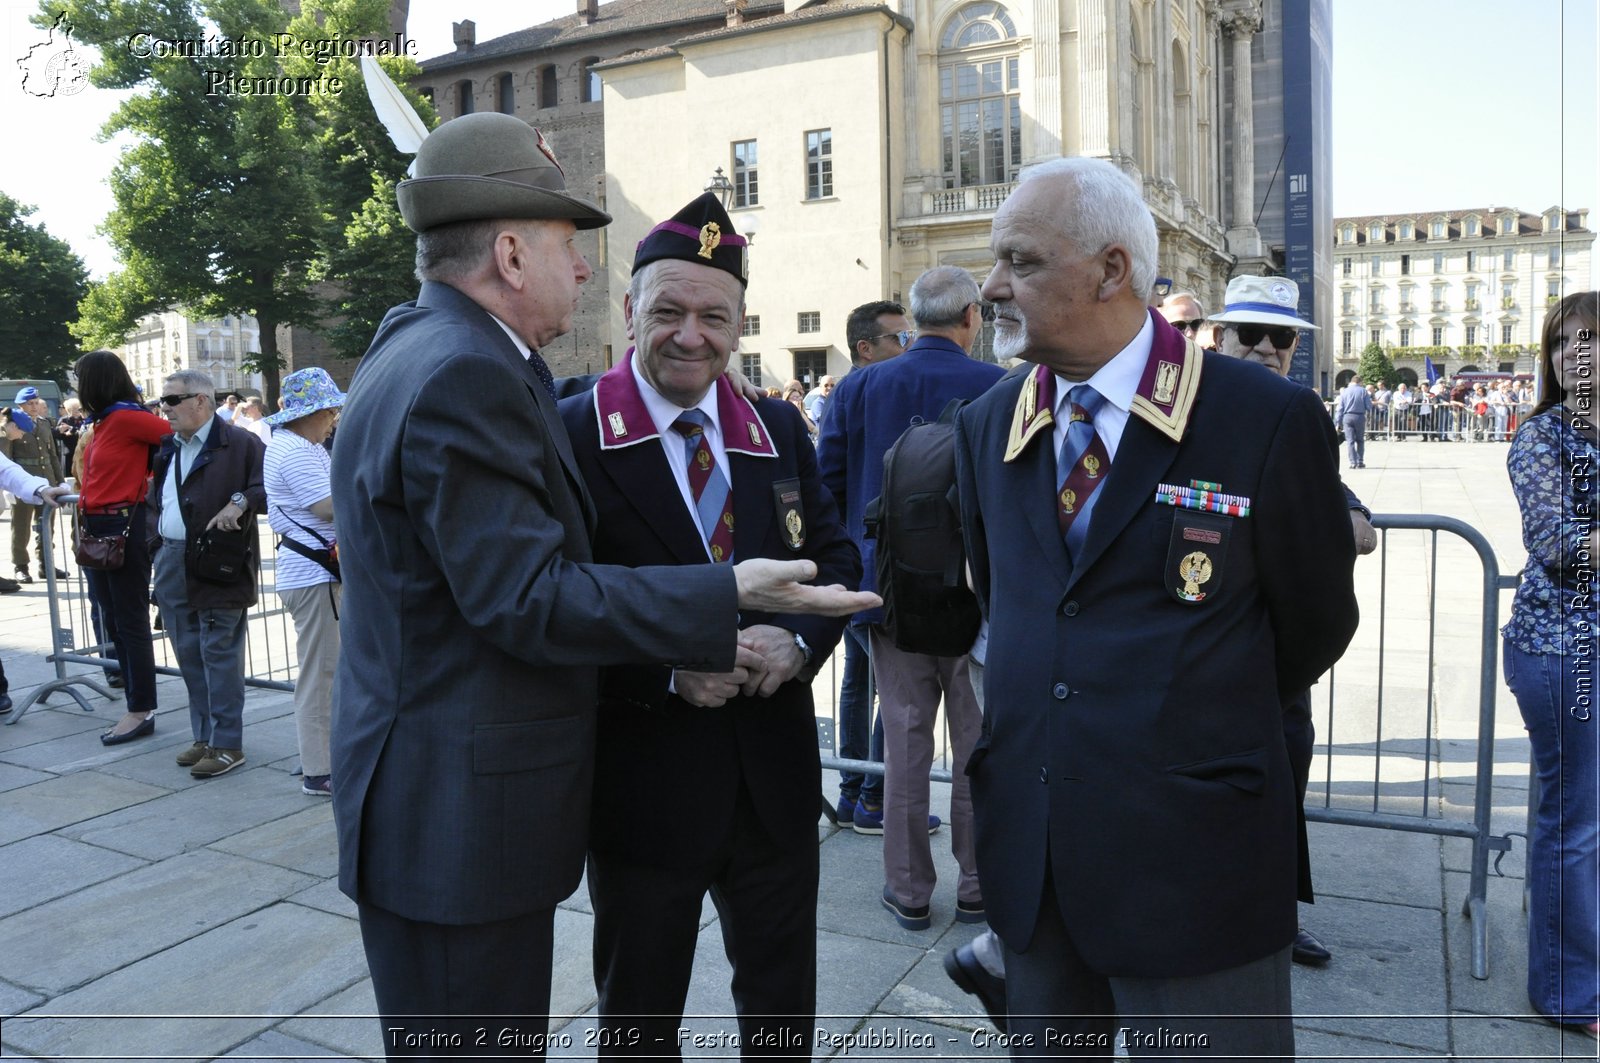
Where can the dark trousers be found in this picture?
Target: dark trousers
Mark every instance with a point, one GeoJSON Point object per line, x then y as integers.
{"type": "Point", "coordinates": [123, 595]}
{"type": "Point", "coordinates": [856, 720]}
{"type": "Point", "coordinates": [443, 991]}
{"type": "Point", "coordinates": [1068, 1010]}
{"type": "Point", "coordinates": [647, 921]}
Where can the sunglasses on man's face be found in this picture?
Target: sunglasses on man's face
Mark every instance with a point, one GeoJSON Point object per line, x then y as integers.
{"type": "Point", "coordinates": [903, 337]}
{"type": "Point", "coordinates": [1282, 338]}
{"type": "Point", "coordinates": [173, 400]}
{"type": "Point", "coordinates": [1191, 325]}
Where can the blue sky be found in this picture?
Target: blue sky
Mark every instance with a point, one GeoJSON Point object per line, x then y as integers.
{"type": "Point", "coordinates": [1438, 104]}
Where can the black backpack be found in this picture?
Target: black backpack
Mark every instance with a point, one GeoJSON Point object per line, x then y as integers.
{"type": "Point", "coordinates": [921, 563]}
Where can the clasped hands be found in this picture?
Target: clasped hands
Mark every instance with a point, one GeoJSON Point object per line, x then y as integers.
{"type": "Point", "coordinates": [767, 657]}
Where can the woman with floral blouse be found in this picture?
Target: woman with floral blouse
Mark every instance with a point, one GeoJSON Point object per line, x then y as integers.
{"type": "Point", "coordinates": [1550, 662]}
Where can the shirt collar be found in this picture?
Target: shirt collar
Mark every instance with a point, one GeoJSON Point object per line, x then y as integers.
{"type": "Point", "coordinates": [199, 438]}
{"type": "Point", "coordinates": [523, 348]}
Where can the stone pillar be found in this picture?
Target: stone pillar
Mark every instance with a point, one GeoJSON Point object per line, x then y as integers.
{"type": "Point", "coordinates": [1244, 240]}
{"type": "Point", "coordinates": [1048, 132]}
{"type": "Point", "coordinates": [1095, 114]}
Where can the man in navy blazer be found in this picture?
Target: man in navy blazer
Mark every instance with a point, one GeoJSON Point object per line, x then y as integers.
{"type": "Point", "coordinates": [474, 617]}
{"type": "Point", "coordinates": [682, 470]}
{"type": "Point", "coordinates": [1158, 539]}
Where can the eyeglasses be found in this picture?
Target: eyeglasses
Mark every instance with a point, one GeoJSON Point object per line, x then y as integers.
{"type": "Point", "coordinates": [903, 336]}
{"type": "Point", "coordinates": [173, 400]}
{"type": "Point", "coordinates": [1192, 325]}
{"type": "Point", "coordinates": [1282, 338]}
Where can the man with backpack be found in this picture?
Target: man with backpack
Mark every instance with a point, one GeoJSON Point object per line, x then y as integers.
{"type": "Point", "coordinates": [866, 415]}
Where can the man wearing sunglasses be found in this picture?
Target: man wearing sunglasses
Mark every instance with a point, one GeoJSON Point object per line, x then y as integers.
{"type": "Point", "coordinates": [1186, 314]}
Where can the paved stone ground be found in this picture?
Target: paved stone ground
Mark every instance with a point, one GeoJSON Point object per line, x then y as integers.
{"type": "Point", "coordinates": [145, 914]}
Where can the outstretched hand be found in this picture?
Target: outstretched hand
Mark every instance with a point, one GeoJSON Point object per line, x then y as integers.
{"type": "Point", "coordinates": [770, 586]}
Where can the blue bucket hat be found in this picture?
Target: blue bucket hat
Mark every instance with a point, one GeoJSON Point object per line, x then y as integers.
{"type": "Point", "coordinates": [27, 394]}
{"type": "Point", "coordinates": [306, 391]}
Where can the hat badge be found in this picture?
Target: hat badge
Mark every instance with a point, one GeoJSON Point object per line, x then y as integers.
{"type": "Point", "coordinates": [710, 237]}
{"type": "Point", "coordinates": [1281, 294]}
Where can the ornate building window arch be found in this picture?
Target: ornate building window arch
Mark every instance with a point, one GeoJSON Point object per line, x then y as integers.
{"type": "Point", "coordinates": [980, 109]}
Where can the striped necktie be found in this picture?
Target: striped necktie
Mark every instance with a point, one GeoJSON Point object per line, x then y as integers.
{"type": "Point", "coordinates": [713, 499]}
{"type": "Point", "coordinates": [1081, 467]}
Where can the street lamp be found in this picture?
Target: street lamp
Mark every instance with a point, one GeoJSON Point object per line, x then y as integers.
{"type": "Point", "coordinates": [721, 187]}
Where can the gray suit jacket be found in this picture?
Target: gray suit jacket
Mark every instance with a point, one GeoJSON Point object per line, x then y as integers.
{"type": "Point", "coordinates": [474, 623]}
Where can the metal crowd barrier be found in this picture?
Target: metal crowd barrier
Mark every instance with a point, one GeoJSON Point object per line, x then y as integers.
{"type": "Point", "coordinates": [270, 658]}
{"type": "Point", "coordinates": [1375, 772]}
{"type": "Point", "coordinates": [1444, 422]}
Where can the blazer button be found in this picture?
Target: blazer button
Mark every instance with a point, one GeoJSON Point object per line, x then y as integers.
{"type": "Point", "coordinates": [1044, 776]}
{"type": "Point", "coordinates": [1070, 609]}
{"type": "Point", "coordinates": [1061, 692]}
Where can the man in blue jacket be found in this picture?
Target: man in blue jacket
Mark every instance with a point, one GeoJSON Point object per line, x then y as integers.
{"type": "Point", "coordinates": [867, 413]}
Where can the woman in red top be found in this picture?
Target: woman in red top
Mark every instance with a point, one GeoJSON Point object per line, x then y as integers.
{"type": "Point", "coordinates": [115, 469]}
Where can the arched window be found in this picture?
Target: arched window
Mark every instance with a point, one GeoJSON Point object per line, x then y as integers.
{"type": "Point", "coordinates": [590, 81]}
{"type": "Point", "coordinates": [1183, 115]}
{"type": "Point", "coordinates": [547, 86]}
{"type": "Point", "coordinates": [506, 100]}
{"type": "Point", "coordinates": [464, 97]}
{"type": "Point", "coordinates": [980, 110]}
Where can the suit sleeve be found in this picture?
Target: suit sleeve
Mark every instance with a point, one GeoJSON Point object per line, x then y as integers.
{"type": "Point", "coordinates": [1306, 550]}
{"type": "Point", "coordinates": [832, 453]}
{"type": "Point", "coordinates": [478, 492]}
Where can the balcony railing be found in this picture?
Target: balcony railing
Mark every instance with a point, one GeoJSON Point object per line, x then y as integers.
{"type": "Point", "coordinates": [969, 200]}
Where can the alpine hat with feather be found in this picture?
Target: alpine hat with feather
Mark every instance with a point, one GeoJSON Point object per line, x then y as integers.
{"type": "Point", "coordinates": [485, 166]}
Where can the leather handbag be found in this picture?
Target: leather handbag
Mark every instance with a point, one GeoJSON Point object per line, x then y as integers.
{"type": "Point", "coordinates": [102, 552]}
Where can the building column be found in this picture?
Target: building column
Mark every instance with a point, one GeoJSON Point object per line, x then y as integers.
{"type": "Point", "coordinates": [1244, 239]}
{"type": "Point", "coordinates": [1048, 133]}
{"type": "Point", "coordinates": [1094, 99]}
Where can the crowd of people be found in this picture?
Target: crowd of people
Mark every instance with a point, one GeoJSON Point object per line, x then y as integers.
{"type": "Point", "coordinates": [527, 620]}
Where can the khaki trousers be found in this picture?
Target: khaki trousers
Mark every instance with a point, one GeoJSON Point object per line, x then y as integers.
{"type": "Point", "coordinates": [316, 629]}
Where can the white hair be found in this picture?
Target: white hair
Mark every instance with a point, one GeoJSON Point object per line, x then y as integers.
{"type": "Point", "coordinates": [940, 297]}
{"type": "Point", "coordinates": [1107, 208]}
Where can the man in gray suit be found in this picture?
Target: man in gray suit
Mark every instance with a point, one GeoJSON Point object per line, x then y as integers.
{"type": "Point", "coordinates": [474, 618]}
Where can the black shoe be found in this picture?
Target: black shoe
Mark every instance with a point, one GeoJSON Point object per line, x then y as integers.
{"type": "Point", "coordinates": [61, 573]}
{"type": "Point", "coordinates": [115, 680]}
{"type": "Point", "coordinates": [962, 965]}
{"type": "Point", "coordinates": [146, 727]}
{"type": "Point", "coordinates": [908, 917]}
{"type": "Point", "coordinates": [5, 704]}
{"type": "Point", "coordinates": [1309, 951]}
{"type": "Point", "coordinates": [9, 586]}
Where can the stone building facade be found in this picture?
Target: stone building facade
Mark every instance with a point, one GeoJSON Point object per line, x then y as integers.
{"type": "Point", "coordinates": [1467, 289]}
{"type": "Point", "coordinates": [164, 343]}
{"type": "Point", "coordinates": [545, 75]}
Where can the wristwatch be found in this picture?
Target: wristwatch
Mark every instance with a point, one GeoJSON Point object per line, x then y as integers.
{"type": "Point", "coordinates": [804, 649]}
{"type": "Point", "coordinates": [238, 499]}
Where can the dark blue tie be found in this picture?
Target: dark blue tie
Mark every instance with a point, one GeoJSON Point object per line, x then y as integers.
{"type": "Point", "coordinates": [542, 371]}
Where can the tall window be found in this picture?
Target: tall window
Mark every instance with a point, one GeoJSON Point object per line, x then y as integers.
{"type": "Point", "coordinates": [464, 102]}
{"type": "Point", "coordinates": [1347, 267]}
{"type": "Point", "coordinates": [746, 189]}
{"type": "Point", "coordinates": [507, 94]}
{"type": "Point", "coordinates": [1405, 265]}
{"type": "Point", "coordinates": [1438, 261]}
{"type": "Point", "coordinates": [750, 366]}
{"type": "Point", "coordinates": [1472, 261]}
{"type": "Point", "coordinates": [1471, 227]}
{"type": "Point", "coordinates": [1472, 296]}
{"type": "Point", "coordinates": [1438, 336]}
{"type": "Point", "coordinates": [1472, 335]}
{"type": "Point", "coordinates": [819, 163]}
{"type": "Point", "coordinates": [1349, 302]}
{"type": "Point", "coordinates": [1508, 224]}
{"type": "Point", "coordinates": [547, 86]}
{"type": "Point", "coordinates": [1405, 337]}
{"type": "Point", "coordinates": [1436, 230]}
{"type": "Point", "coordinates": [980, 109]}
{"type": "Point", "coordinates": [1376, 300]}
{"type": "Point", "coordinates": [1376, 266]}
{"type": "Point", "coordinates": [1555, 255]}
{"type": "Point", "coordinates": [590, 81]}
{"type": "Point", "coordinates": [1349, 340]}
{"type": "Point", "coordinates": [1377, 335]}
{"type": "Point", "coordinates": [1505, 333]}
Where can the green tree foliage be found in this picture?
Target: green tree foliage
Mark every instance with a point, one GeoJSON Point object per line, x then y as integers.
{"type": "Point", "coordinates": [233, 202]}
{"type": "Point", "coordinates": [41, 281]}
{"type": "Point", "coordinates": [1376, 367]}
